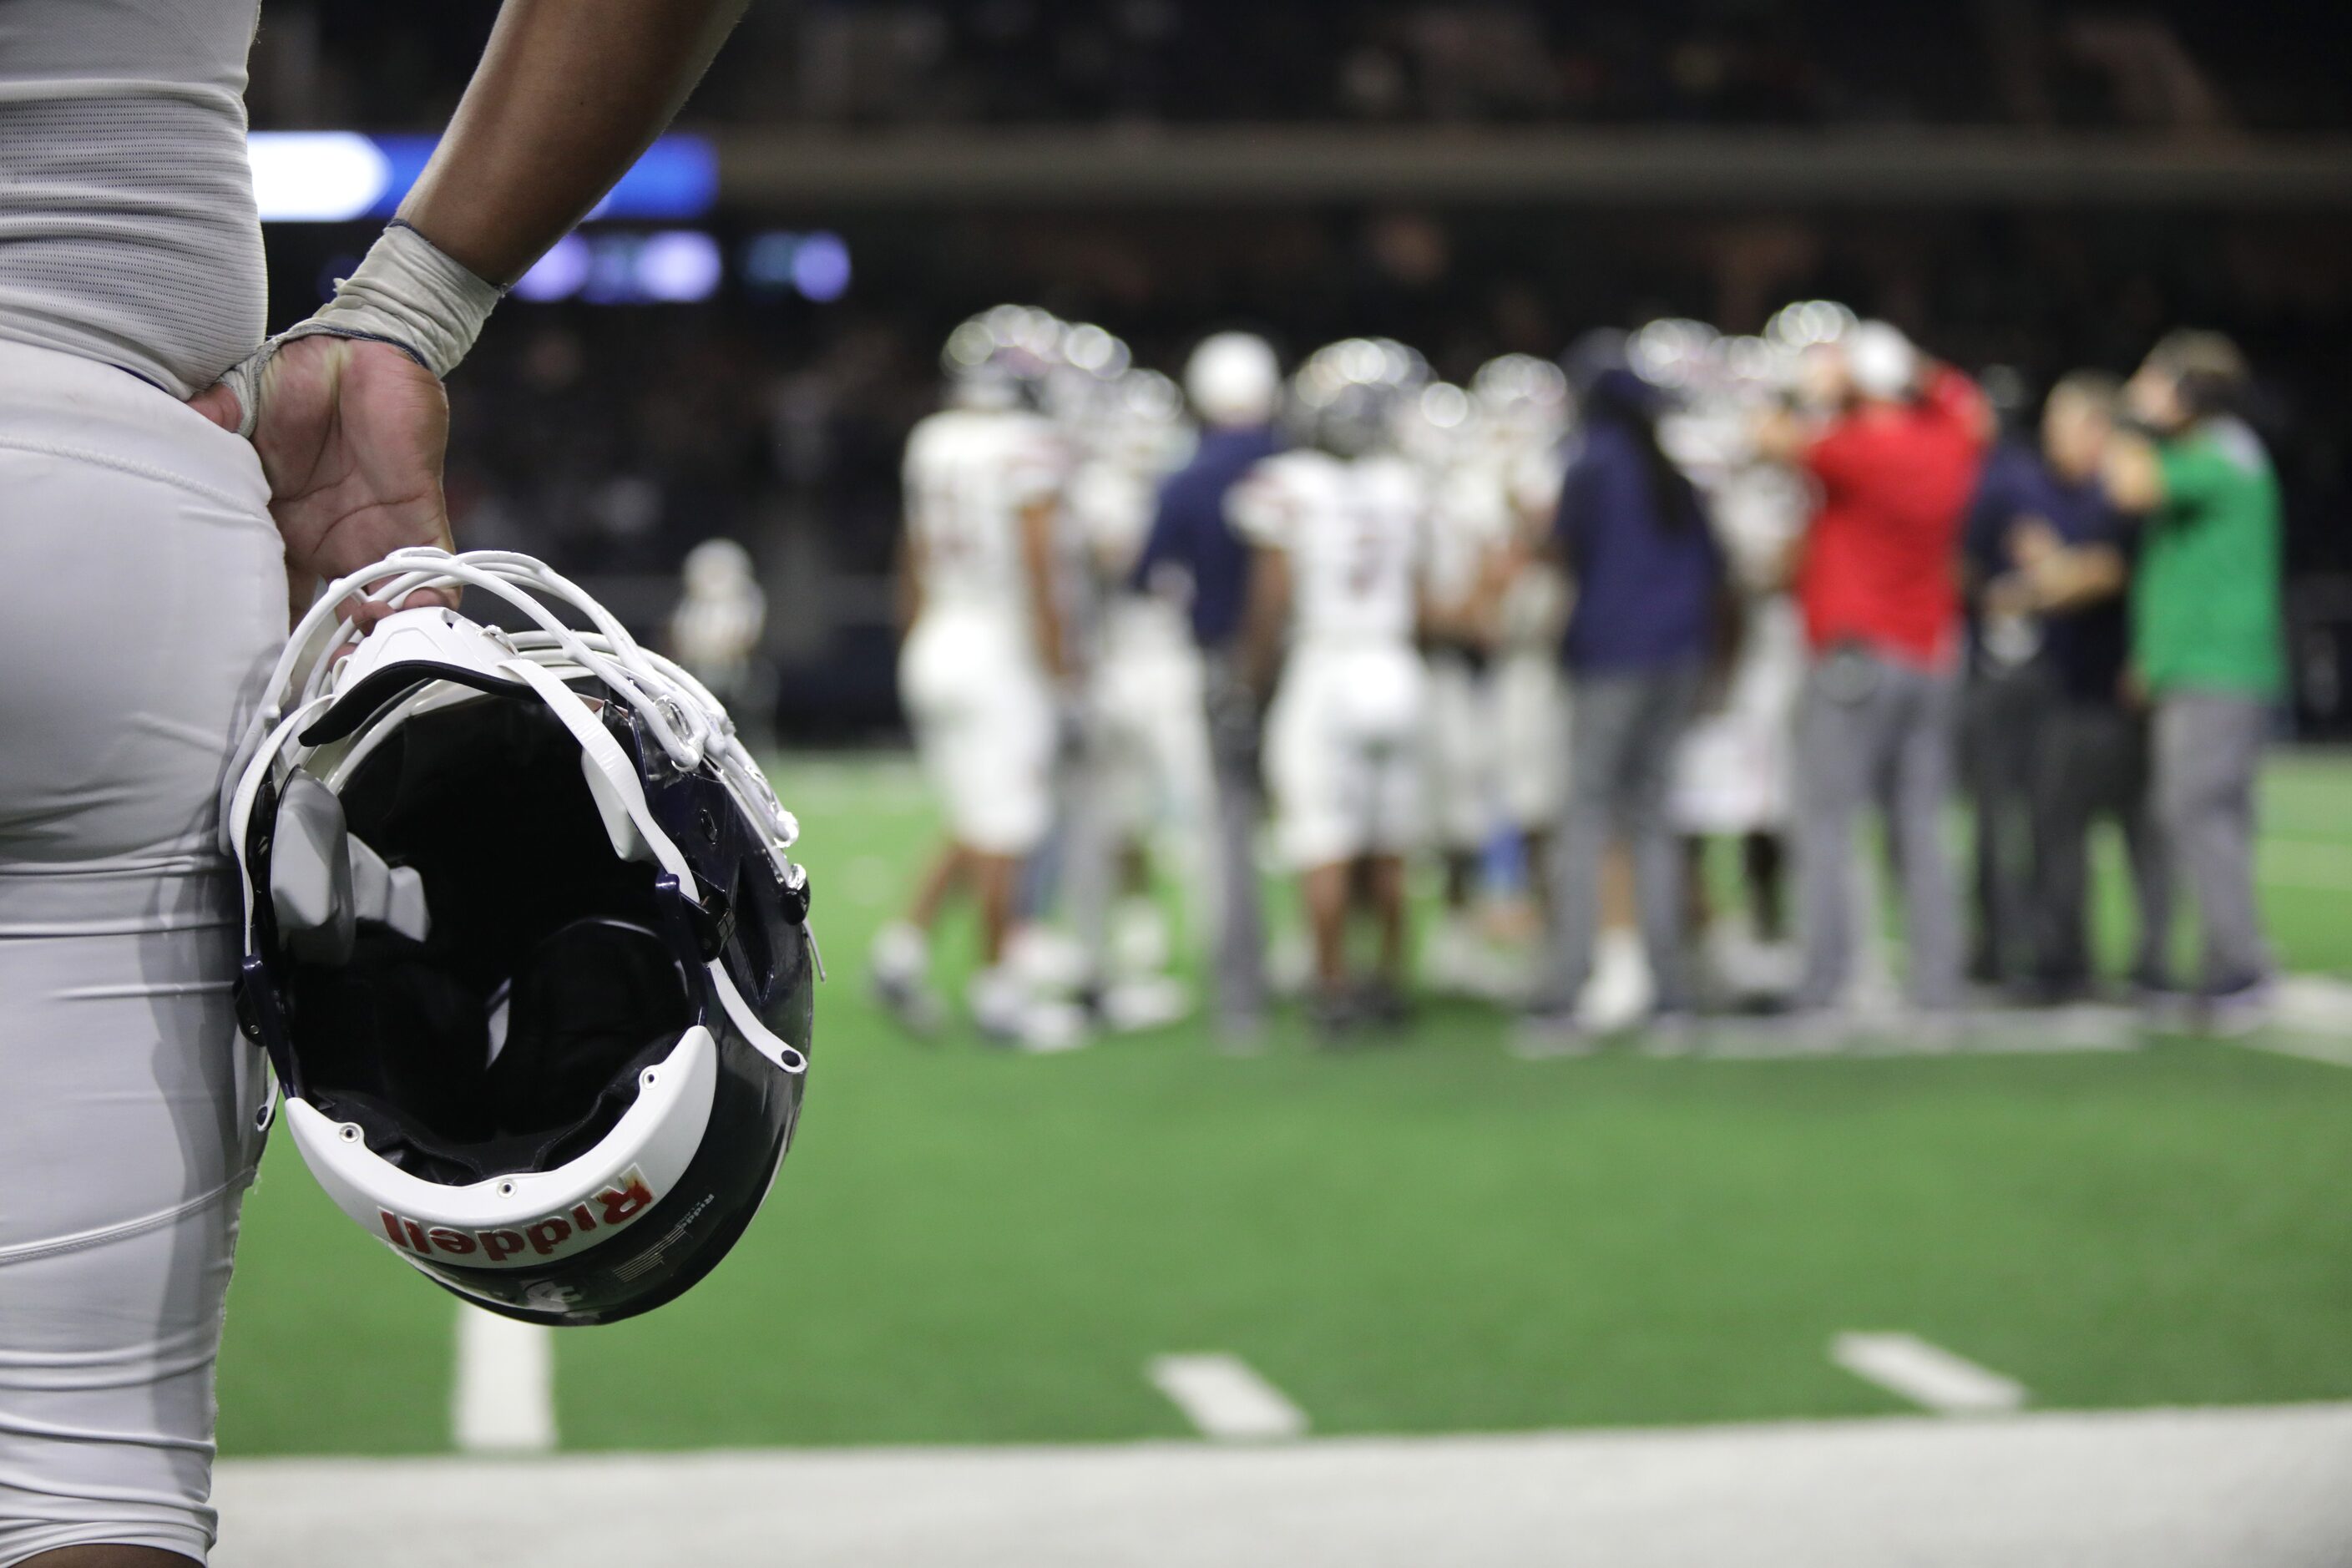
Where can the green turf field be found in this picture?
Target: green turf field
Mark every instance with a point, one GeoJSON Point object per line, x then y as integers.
{"type": "Point", "coordinates": [969, 1247]}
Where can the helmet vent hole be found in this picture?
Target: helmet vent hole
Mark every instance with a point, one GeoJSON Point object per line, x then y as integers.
{"type": "Point", "coordinates": [506, 1189]}
{"type": "Point", "coordinates": [793, 1061]}
{"type": "Point", "coordinates": [350, 1132]}
{"type": "Point", "coordinates": [650, 1077]}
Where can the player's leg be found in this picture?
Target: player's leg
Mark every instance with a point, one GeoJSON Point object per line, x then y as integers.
{"type": "Point", "coordinates": [1003, 810]}
{"type": "Point", "coordinates": [1596, 749]}
{"type": "Point", "coordinates": [1232, 725]}
{"type": "Point", "coordinates": [1666, 701]}
{"type": "Point", "coordinates": [1836, 719]}
{"type": "Point", "coordinates": [142, 595]}
{"type": "Point", "coordinates": [2208, 749]}
{"type": "Point", "coordinates": [898, 962]}
{"type": "Point", "coordinates": [2074, 778]}
{"type": "Point", "coordinates": [1328, 890]}
{"type": "Point", "coordinates": [1922, 788]}
{"type": "Point", "coordinates": [2134, 804]}
{"type": "Point", "coordinates": [1764, 866]}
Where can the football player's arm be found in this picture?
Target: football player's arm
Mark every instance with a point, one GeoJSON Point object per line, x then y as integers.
{"type": "Point", "coordinates": [346, 409]}
{"type": "Point", "coordinates": [567, 93]}
{"type": "Point", "coordinates": [2075, 575]}
{"type": "Point", "coordinates": [2133, 474]}
{"type": "Point", "coordinates": [1038, 568]}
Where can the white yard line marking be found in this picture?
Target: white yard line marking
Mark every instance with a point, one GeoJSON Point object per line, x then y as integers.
{"type": "Point", "coordinates": [1228, 1400]}
{"type": "Point", "coordinates": [1926, 1374]}
{"type": "Point", "coordinates": [504, 1402]}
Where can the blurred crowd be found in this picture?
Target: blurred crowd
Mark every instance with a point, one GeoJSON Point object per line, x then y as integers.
{"type": "Point", "coordinates": [2157, 65]}
{"type": "Point", "coordinates": [1559, 629]}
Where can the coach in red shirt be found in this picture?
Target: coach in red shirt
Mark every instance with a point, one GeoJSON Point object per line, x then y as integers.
{"type": "Point", "coordinates": [1877, 577]}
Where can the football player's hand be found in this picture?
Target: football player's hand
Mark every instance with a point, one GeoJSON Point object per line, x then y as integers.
{"type": "Point", "coordinates": [351, 433]}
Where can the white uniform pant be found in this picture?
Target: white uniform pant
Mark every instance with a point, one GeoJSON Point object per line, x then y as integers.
{"type": "Point", "coordinates": [983, 722]}
{"type": "Point", "coordinates": [141, 598]}
{"type": "Point", "coordinates": [1459, 753]}
{"type": "Point", "coordinates": [1340, 758]}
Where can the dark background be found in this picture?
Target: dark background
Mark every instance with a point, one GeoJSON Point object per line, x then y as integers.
{"type": "Point", "coordinates": [613, 439]}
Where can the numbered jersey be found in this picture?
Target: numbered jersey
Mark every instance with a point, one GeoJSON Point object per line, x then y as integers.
{"type": "Point", "coordinates": [1354, 533]}
{"type": "Point", "coordinates": [970, 475]}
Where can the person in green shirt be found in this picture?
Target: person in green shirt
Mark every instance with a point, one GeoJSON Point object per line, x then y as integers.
{"type": "Point", "coordinates": [2208, 643]}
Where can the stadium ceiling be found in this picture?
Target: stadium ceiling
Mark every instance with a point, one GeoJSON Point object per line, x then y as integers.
{"type": "Point", "coordinates": [1881, 168]}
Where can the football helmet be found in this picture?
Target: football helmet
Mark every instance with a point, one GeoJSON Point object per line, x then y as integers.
{"type": "Point", "coordinates": [522, 940]}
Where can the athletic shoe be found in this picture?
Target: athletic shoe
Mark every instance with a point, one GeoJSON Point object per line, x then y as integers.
{"type": "Point", "coordinates": [2233, 1011]}
{"type": "Point", "coordinates": [1382, 1004]}
{"type": "Point", "coordinates": [1550, 1034]}
{"type": "Point", "coordinates": [1138, 943]}
{"type": "Point", "coordinates": [2167, 1009]}
{"type": "Point", "coordinates": [1009, 1013]}
{"type": "Point", "coordinates": [1671, 1032]}
{"type": "Point", "coordinates": [1146, 1001]}
{"type": "Point", "coordinates": [896, 965]}
{"type": "Point", "coordinates": [1333, 1015]}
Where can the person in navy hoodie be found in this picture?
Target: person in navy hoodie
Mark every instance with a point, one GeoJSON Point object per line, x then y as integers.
{"type": "Point", "coordinates": [1648, 621]}
{"type": "Point", "coordinates": [1234, 383]}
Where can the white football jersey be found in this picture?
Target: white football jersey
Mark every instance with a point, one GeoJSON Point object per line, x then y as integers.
{"type": "Point", "coordinates": [1470, 519]}
{"type": "Point", "coordinates": [970, 474]}
{"type": "Point", "coordinates": [1355, 533]}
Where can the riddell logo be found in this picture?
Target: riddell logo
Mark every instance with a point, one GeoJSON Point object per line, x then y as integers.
{"type": "Point", "coordinates": [618, 1203]}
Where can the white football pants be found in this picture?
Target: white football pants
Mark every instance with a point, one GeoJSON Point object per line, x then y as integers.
{"type": "Point", "coordinates": [141, 598]}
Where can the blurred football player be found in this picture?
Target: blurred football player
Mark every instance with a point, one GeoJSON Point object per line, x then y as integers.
{"type": "Point", "coordinates": [1144, 766]}
{"type": "Point", "coordinates": [1333, 609]}
{"type": "Point", "coordinates": [1735, 775]}
{"type": "Point", "coordinates": [1640, 641]}
{"type": "Point", "coordinates": [716, 629]}
{"type": "Point", "coordinates": [983, 663]}
{"type": "Point", "coordinates": [1469, 534]}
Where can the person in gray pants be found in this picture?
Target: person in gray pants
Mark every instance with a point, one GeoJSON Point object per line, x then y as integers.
{"type": "Point", "coordinates": [1650, 604]}
{"type": "Point", "coordinates": [1193, 554]}
{"type": "Point", "coordinates": [1621, 752]}
{"type": "Point", "coordinates": [2208, 643]}
{"type": "Point", "coordinates": [1875, 731]}
{"type": "Point", "coordinates": [1896, 466]}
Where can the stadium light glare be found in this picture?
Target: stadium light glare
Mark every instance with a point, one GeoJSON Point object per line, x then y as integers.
{"type": "Point", "coordinates": [337, 176]}
{"type": "Point", "coordinates": [678, 266]}
{"type": "Point", "coordinates": [317, 176]}
{"type": "Point", "coordinates": [557, 275]}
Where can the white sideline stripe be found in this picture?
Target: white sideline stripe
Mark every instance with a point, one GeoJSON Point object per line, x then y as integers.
{"type": "Point", "coordinates": [1926, 1374]}
{"type": "Point", "coordinates": [2144, 1488]}
{"type": "Point", "coordinates": [1226, 1399]}
{"type": "Point", "coordinates": [504, 1402]}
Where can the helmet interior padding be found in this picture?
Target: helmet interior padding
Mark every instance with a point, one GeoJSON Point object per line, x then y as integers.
{"type": "Point", "coordinates": [533, 916]}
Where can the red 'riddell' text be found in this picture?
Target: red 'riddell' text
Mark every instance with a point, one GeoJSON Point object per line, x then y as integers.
{"type": "Point", "coordinates": [623, 1200]}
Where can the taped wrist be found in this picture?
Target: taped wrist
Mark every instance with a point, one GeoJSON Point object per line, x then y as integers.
{"type": "Point", "coordinates": [406, 291]}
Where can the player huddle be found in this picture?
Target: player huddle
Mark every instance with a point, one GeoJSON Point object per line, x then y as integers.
{"type": "Point", "coordinates": [1555, 630]}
